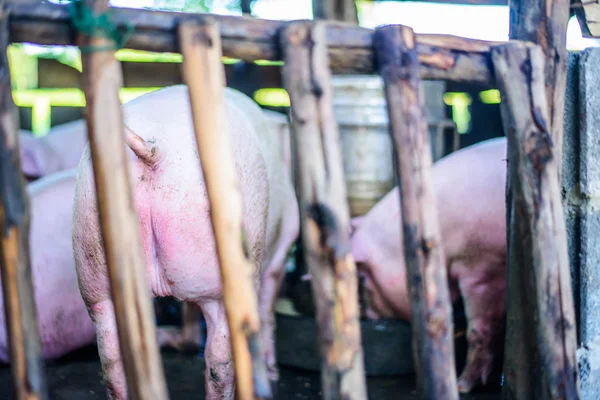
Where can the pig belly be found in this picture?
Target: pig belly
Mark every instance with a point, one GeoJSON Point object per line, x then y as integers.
{"type": "Point", "coordinates": [63, 322]}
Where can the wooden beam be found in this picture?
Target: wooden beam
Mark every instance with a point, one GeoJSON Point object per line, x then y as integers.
{"type": "Point", "coordinates": [119, 222]}
{"type": "Point", "coordinates": [29, 382]}
{"type": "Point", "coordinates": [541, 338]}
{"type": "Point", "coordinates": [349, 47]}
{"type": "Point", "coordinates": [203, 73]}
{"type": "Point", "coordinates": [588, 15]}
{"type": "Point", "coordinates": [544, 22]}
{"type": "Point", "coordinates": [431, 309]}
{"type": "Point", "coordinates": [531, 369]}
{"type": "Point", "coordinates": [336, 10]}
{"type": "Point", "coordinates": [324, 211]}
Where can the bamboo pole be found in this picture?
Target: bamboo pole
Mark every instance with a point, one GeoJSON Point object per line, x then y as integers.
{"type": "Point", "coordinates": [540, 360]}
{"type": "Point", "coordinates": [349, 47]}
{"type": "Point", "coordinates": [203, 73]}
{"type": "Point", "coordinates": [118, 219]}
{"type": "Point", "coordinates": [431, 312]}
{"type": "Point", "coordinates": [324, 210]}
{"type": "Point", "coordinates": [29, 382]}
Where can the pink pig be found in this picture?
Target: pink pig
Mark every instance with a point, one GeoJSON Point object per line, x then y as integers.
{"type": "Point", "coordinates": [172, 205]}
{"type": "Point", "coordinates": [470, 196]}
{"type": "Point", "coordinates": [63, 321]}
{"type": "Point", "coordinates": [60, 149]}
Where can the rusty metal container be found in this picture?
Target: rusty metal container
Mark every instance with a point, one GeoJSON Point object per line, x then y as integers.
{"type": "Point", "coordinates": [360, 110]}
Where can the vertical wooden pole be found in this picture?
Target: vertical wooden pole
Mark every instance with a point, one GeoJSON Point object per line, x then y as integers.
{"type": "Point", "coordinates": [29, 382]}
{"type": "Point", "coordinates": [540, 359]}
{"type": "Point", "coordinates": [431, 310]}
{"type": "Point", "coordinates": [119, 223]}
{"type": "Point", "coordinates": [336, 10]}
{"type": "Point", "coordinates": [324, 210]}
{"type": "Point", "coordinates": [246, 6]}
{"type": "Point", "coordinates": [544, 22]}
{"type": "Point", "coordinates": [204, 74]}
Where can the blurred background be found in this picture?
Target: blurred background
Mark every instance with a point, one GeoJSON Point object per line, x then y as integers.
{"type": "Point", "coordinates": [46, 79]}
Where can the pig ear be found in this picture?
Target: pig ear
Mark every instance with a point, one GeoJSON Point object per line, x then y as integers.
{"type": "Point", "coordinates": [354, 223]}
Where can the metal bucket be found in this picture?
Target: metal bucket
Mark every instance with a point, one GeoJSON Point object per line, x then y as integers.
{"type": "Point", "coordinates": [360, 110]}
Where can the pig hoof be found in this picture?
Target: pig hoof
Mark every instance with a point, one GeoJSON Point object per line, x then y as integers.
{"type": "Point", "coordinates": [273, 374]}
{"type": "Point", "coordinates": [465, 386]}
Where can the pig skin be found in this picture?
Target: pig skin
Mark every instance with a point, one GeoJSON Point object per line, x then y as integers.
{"type": "Point", "coordinates": [63, 321]}
{"type": "Point", "coordinates": [173, 209]}
{"type": "Point", "coordinates": [469, 188]}
{"type": "Point", "coordinates": [59, 150]}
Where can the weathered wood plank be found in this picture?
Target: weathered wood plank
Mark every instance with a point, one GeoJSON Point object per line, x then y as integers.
{"type": "Point", "coordinates": [540, 360]}
{"type": "Point", "coordinates": [588, 15]}
{"type": "Point", "coordinates": [324, 211]}
{"type": "Point", "coordinates": [251, 39]}
{"type": "Point", "coordinates": [118, 219]}
{"type": "Point", "coordinates": [544, 22]}
{"type": "Point", "coordinates": [336, 10]}
{"type": "Point", "coordinates": [29, 382]}
{"type": "Point", "coordinates": [431, 310]}
{"type": "Point", "coordinates": [204, 75]}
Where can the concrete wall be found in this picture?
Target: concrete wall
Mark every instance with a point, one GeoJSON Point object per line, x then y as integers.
{"type": "Point", "coordinates": [581, 195]}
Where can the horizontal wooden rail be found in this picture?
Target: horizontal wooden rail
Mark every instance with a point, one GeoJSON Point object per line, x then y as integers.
{"type": "Point", "coordinates": [350, 47]}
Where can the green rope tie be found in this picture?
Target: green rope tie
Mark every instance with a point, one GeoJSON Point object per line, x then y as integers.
{"type": "Point", "coordinates": [85, 21]}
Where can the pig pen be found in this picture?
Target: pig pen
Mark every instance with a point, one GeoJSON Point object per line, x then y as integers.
{"type": "Point", "coordinates": [321, 48]}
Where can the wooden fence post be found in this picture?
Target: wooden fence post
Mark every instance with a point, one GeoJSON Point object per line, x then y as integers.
{"type": "Point", "coordinates": [431, 310]}
{"type": "Point", "coordinates": [540, 361]}
{"type": "Point", "coordinates": [336, 10]}
{"type": "Point", "coordinates": [29, 382]}
{"type": "Point", "coordinates": [544, 22]}
{"type": "Point", "coordinates": [324, 210]}
{"type": "Point", "coordinates": [205, 76]}
{"type": "Point", "coordinates": [119, 223]}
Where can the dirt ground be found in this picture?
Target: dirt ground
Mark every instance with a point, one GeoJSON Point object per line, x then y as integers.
{"type": "Point", "coordinates": [78, 377]}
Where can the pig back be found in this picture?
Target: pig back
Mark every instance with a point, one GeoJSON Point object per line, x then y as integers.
{"type": "Point", "coordinates": [470, 196]}
{"type": "Point", "coordinates": [174, 189]}
{"type": "Point", "coordinates": [281, 190]}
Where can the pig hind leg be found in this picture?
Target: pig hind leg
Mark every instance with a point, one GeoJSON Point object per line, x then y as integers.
{"type": "Point", "coordinates": [271, 280]}
{"type": "Point", "coordinates": [219, 373]}
{"type": "Point", "coordinates": [187, 338]}
{"type": "Point", "coordinates": [103, 316]}
{"type": "Point", "coordinates": [484, 299]}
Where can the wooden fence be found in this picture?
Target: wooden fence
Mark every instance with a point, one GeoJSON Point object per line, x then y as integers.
{"type": "Point", "coordinates": [538, 270]}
